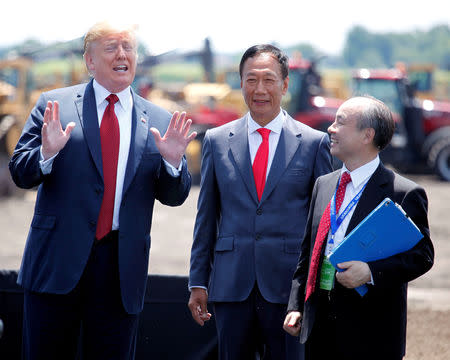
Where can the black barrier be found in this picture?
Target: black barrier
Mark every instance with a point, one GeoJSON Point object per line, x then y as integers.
{"type": "Point", "coordinates": [166, 329]}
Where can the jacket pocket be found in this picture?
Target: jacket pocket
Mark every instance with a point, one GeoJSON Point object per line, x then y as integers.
{"type": "Point", "coordinates": [225, 243]}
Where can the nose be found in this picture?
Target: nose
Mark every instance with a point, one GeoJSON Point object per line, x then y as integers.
{"type": "Point", "coordinates": [260, 88]}
{"type": "Point", "coordinates": [120, 52]}
{"type": "Point", "coordinates": [332, 128]}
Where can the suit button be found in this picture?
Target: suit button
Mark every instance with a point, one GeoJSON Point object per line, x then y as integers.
{"type": "Point", "coordinates": [258, 237]}
{"type": "Point", "coordinates": [98, 191]}
{"type": "Point", "coordinates": [92, 223]}
{"type": "Point", "coordinates": [259, 212]}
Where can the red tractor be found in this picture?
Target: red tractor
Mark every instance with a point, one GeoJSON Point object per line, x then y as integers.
{"type": "Point", "coordinates": [421, 142]}
{"type": "Point", "coordinates": [422, 138]}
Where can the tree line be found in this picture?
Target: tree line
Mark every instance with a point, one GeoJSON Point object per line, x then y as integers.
{"type": "Point", "coordinates": [363, 48]}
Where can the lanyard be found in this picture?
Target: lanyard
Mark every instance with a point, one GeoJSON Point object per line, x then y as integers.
{"type": "Point", "coordinates": [335, 223]}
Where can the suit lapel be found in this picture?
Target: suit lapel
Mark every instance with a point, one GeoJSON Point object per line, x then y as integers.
{"type": "Point", "coordinates": [373, 194]}
{"type": "Point", "coordinates": [289, 141]}
{"type": "Point", "coordinates": [87, 112]}
{"type": "Point", "coordinates": [238, 142]}
{"type": "Point", "coordinates": [139, 133]}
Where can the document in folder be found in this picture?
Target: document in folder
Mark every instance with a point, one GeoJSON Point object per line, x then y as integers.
{"type": "Point", "coordinates": [386, 231]}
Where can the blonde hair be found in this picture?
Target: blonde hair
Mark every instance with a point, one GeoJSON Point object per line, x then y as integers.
{"type": "Point", "coordinates": [104, 28]}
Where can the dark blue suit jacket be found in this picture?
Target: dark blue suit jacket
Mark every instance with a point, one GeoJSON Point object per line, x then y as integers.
{"type": "Point", "coordinates": [69, 198]}
{"type": "Point", "coordinates": [238, 240]}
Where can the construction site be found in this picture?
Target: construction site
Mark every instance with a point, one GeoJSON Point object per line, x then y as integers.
{"type": "Point", "coordinates": [420, 149]}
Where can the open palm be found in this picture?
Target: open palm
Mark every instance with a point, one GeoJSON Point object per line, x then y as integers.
{"type": "Point", "coordinates": [54, 138]}
{"type": "Point", "coordinates": [176, 139]}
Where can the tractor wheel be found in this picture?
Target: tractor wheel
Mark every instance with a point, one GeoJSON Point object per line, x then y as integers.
{"type": "Point", "coordinates": [439, 158]}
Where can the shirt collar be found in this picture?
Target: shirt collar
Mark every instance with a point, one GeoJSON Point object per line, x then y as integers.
{"type": "Point", "coordinates": [275, 125]}
{"type": "Point", "coordinates": [124, 96]}
{"type": "Point", "coordinates": [363, 173]}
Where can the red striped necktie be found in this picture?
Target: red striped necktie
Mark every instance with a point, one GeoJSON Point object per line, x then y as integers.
{"type": "Point", "coordinates": [322, 232]}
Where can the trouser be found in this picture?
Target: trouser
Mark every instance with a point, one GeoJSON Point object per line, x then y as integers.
{"type": "Point", "coordinates": [253, 329]}
{"type": "Point", "coordinates": [53, 322]}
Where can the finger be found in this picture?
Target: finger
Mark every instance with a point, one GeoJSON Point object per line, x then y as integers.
{"type": "Point", "coordinates": [344, 265]}
{"type": "Point", "coordinates": [191, 137]}
{"type": "Point", "coordinates": [195, 314]}
{"type": "Point", "coordinates": [69, 128]}
{"type": "Point", "coordinates": [44, 130]}
{"type": "Point", "coordinates": [293, 321]}
{"type": "Point", "coordinates": [186, 127]}
{"type": "Point", "coordinates": [180, 122]}
{"type": "Point", "coordinates": [156, 134]}
{"type": "Point", "coordinates": [48, 112]}
{"type": "Point", "coordinates": [56, 111]}
{"type": "Point", "coordinates": [174, 120]}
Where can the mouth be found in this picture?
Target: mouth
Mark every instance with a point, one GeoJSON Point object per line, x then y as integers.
{"type": "Point", "coordinates": [120, 68]}
{"type": "Point", "coordinates": [260, 102]}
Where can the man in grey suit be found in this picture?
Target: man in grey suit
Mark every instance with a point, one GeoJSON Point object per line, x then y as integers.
{"type": "Point", "coordinates": [252, 208]}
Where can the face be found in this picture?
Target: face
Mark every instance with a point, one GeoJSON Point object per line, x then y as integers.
{"type": "Point", "coordinates": [112, 60]}
{"type": "Point", "coordinates": [263, 87]}
{"type": "Point", "coordinates": [348, 142]}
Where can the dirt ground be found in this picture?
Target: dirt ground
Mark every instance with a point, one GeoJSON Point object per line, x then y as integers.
{"type": "Point", "coordinates": [428, 336]}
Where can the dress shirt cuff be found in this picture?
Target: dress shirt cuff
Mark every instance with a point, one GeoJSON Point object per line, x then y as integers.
{"type": "Point", "coordinates": [172, 170]}
{"type": "Point", "coordinates": [371, 279]}
{"type": "Point", "coordinates": [46, 165]}
{"type": "Point", "coordinates": [197, 287]}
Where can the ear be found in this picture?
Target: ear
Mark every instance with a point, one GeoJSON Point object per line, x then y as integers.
{"type": "Point", "coordinates": [369, 135]}
{"type": "Point", "coordinates": [89, 62]}
{"type": "Point", "coordinates": [285, 85]}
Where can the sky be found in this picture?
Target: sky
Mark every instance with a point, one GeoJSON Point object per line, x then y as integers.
{"type": "Point", "coordinates": [231, 25]}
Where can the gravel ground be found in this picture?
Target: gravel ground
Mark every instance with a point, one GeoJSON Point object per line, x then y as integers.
{"type": "Point", "coordinates": [429, 296]}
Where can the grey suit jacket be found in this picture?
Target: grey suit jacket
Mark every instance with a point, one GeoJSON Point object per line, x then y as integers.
{"type": "Point", "coordinates": [238, 240]}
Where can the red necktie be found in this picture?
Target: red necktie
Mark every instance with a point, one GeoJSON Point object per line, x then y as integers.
{"type": "Point", "coordinates": [260, 162]}
{"type": "Point", "coordinates": [322, 232]}
{"type": "Point", "coordinates": [110, 139]}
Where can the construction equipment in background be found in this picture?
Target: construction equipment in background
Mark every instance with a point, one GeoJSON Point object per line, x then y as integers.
{"type": "Point", "coordinates": [422, 77]}
{"type": "Point", "coordinates": [421, 142]}
{"type": "Point", "coordinates": [19, 91]}
{"type": "Point", "coordinates": [422, 138]}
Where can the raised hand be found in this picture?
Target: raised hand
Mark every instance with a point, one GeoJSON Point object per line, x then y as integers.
{"type": "Point", "coordinates": [54, 138]}
{"type": "Point", "coordinates": [176, 139]}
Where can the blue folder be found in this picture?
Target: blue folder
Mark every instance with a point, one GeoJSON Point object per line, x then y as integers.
{"type": "Point", "coordinates": [385, 232]}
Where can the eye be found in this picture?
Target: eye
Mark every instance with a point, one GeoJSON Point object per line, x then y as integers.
{"type": "Point", "coordinates": [128, 47]}
{"type": "Point", "coordinates": [110, 47]}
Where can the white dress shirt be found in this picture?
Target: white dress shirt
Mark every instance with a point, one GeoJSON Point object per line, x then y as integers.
{"type": "Point", "coordinates": [255, 138]}
{"type": "Point", "coordinates": [360, 177]}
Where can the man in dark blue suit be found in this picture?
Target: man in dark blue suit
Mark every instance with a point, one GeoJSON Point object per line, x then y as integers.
{"type": "Point", "coordinates": [250, 218]}
{"type": "Point", "coordinates": [98, 169]}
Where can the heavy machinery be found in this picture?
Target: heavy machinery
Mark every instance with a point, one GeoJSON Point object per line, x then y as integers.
{"type": "Point", "coordinates": [19, 91]}
{"type": "Point", "coordinates": [422, 139]}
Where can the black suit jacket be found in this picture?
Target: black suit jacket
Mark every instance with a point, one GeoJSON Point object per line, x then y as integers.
{"type": "Point", "coordinates": [375, 324]}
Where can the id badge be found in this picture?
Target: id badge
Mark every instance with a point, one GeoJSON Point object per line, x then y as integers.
{"type": "Point", "coordinates": [327, 272]}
